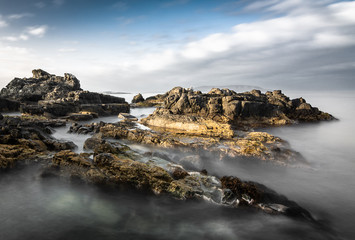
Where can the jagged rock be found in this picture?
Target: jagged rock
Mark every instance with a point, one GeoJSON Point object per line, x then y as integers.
{"type": "Point", "coordinates": [138, 98]}
{"type": "Point", "coordinates": [264, 198]}
{"type": "Point", "coordinates": [249, 109]}
{"type": "Point", "coordinates": [24, 139]}
{"type": "Point", "coordinates": [36, 88]}
{"type": "Point", "coordinates": [55, 96]}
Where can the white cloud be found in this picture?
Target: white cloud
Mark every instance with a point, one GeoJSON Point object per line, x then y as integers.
{"type": "Point", "coordinates": [37, 31]}
{"type": "Point", "coordinates": [19, 16]}
{"type": "Point", "coordinates": [3, 23]}
{"type": "Point", "coordinates": [14, 38]}
{"type": "Point", "coordinates": [294, 46]}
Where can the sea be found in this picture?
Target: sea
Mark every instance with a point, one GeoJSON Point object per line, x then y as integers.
{"type": "Point", "coordinates": [35, 208]}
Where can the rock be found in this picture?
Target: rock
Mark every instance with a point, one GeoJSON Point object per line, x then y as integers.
{"type": "Point", "coordinates": [138, 98]}
{"type": "Point", "coordinates": [80, 117]}
{"type": "Point", "coordinates": [127, 117]}
{"type": "Point", "coordinates": [7, 105]}
{"type": "Point", "coordinates": [1, 117]}
{"type": "Point", "coordinates": [55, 96]}
{"type": "Point", "coordinates": [127, 171]}
{"type": "Point", "coordinates": [68, 158]}
{"type": "Point", "coordinates": [243, 110]}
{"type": "Point", "coordinates": [188, 125]}
{"type": "Point", "coordinates": [179, 173]}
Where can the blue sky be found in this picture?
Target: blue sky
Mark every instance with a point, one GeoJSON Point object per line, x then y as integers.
{"type": "Point", "coordinates": [142, 45]}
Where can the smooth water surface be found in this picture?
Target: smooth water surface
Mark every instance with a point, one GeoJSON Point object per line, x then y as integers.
{"type": "Point", "coordinates": [36, 208]}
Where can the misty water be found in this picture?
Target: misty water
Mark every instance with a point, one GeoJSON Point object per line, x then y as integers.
{"type": "Point", "coordinates": [32, 207]}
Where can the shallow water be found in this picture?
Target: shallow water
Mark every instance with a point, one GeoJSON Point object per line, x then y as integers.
{"type": "Point", "coordinates": [31, 207]}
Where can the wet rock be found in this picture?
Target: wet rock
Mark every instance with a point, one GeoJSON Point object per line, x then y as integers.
{"type": "Point", "coordinates": [260, 196]}
{"type": "Point", "coordinates": [138, 98]}
{"type": "Point", "coordinates": [68, 158]}
{"type": "Point", "coordinates": [179, 173]}
{"type": "Point", "coordinates": [127, 171]}
{"type": "Point", "coordinates": [92, 142]}
{"type": "Point", "coordinates": [127, 117]}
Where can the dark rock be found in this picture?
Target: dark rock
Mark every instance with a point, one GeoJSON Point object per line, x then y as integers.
{"type": "Point", "coordinates": [179, 173]}
{"type": "Point", "coordinates": [7, 105]}
{"type": "Point", "coordinates": [138, 98]}
{"type": "Point", "coordinates": [80, 117]}
{"type": "Point", "coordinates": [55, 96]}
{"type": "Point", "coordinates": [93, 142]}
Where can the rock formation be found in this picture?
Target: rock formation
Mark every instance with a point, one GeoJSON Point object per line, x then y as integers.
{"type": "Point", "coordinates": [249, 109]}
{"type": "Point", "coordinates": [55, 96]}
{"type": "Point", "coordinates": [138, 98]}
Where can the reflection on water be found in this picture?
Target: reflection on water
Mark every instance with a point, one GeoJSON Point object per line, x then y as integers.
{"type": "Point", "coordinates": [52, 209]}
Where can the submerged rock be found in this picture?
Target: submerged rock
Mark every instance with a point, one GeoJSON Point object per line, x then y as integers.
{"type": "Point", "coordinates": [255, 145]}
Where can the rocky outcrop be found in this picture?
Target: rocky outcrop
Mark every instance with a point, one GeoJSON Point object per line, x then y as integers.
{"type": "Point", "coordinates": [259, 145]}
{"type": "Point", "coordinates": [249, 109]}
{"type": "Point", "coordinates": [115, 165]}
{"type": "Point", "coordinates": [138, 98]}
{"type": "Point", "coordinates": [36, 88]}
{"type": "Point", "coordinates": [188, 125]}
{"type": "Point", "coordinates": [24, 139]}
{"type": "Point", "coordinates": [55, 96]}
{"type": "Point", "coordinates": [153, 101]}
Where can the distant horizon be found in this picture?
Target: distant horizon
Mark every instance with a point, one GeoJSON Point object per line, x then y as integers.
{"type": "Point", "coordinates": [155, 45]}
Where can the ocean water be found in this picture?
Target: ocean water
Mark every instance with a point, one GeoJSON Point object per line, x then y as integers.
{"type": "Point", "coordinates": [32, 207]}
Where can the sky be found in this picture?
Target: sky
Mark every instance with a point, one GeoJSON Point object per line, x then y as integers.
{"type": "Point", "coordinates": [140, 45]}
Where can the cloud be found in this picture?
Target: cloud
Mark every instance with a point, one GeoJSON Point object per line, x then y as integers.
{"type": "Point", "coordinates": [19, 16]}
{"type": "Point", "coordinates": [38, 31]}
{"type": "Point", "coordinates": [3, 23]}
{"type": "Point", "coordinates": [293, 50]}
